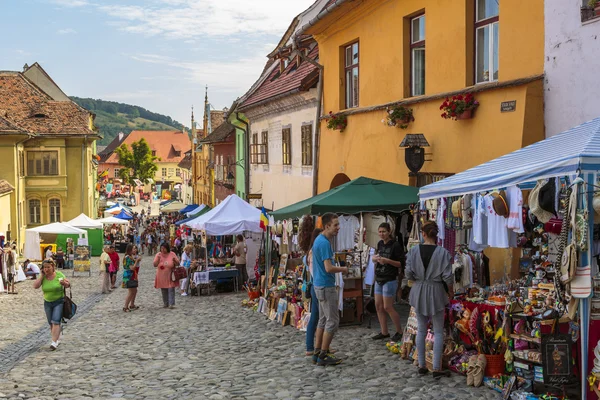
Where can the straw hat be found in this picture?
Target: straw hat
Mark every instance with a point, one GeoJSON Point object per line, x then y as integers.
{"type": "Point", "coordinates": [500, 204]}
{"type": "Point", "coordinates": [456, 210]}
{"type": "Point", "coordinates": [534, 203]}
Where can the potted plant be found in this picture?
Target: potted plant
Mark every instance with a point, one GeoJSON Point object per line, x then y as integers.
{"type": "Point", "coordinates": [595, 5]}
{"type": "Point", "coordinates": [336, 121]}
{"type": "Point", "coordinates": [399, 117]}
{"type": "Point", "coordinates": [459, 107]}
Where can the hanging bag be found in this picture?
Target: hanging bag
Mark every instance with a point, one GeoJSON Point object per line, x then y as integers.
{"type": "Point", "coordinates": [69, 306]}
{"type": "Point", "coordinates": [581, 227]}
{"type": "Point", "coordinates": [581, 283]}
{"type": "Point", "coordinates": [414, 239]}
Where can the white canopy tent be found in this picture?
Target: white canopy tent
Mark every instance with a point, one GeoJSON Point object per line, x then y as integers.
{"type": "Point", "coordinates": [173, 206]}
{"type": "Point", "coordinates": [230, 217]}
{"type": "Point", "coordinates": [32, 236]}
{"type": "Point", "coordinates": [113, 220]}
{"type": "Point", "coordinates": [84, 222]}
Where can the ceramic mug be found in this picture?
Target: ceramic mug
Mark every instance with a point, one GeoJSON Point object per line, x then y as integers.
{"type": "Point", "coordinates": [540, 274]}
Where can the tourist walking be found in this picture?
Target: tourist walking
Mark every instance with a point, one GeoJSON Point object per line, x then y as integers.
{"type": "Point", "coordinates": [136, 273]}
{"type": "Point", "coordinates": [311, 328]}
{"type": "Point", "coordinates": [186, 262]}
{"type": "Point", "coordinates": [240, 251]}
{"type": "Point", "coordinates": [114, 266]}
{"type": "Point", "coordinates": [53, 283]}
{"type": "Point", "coordinates": [430, 268]}
{"type": "Point", "coordinates": [324, 283]}
{"type": "Point", "coordinates": [105, 262]}
{"type": "Point", "coordinates": [60, 258]}
{"type": "Point", "coordinates": [165, 260]}
{"type": "Point", "coordinates": [389, 259]}
{"type": "Point", "coordinates": [129, 281]}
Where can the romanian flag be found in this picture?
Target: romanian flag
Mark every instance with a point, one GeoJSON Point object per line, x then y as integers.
{"type": "Point", "coordinates": [264, 220]}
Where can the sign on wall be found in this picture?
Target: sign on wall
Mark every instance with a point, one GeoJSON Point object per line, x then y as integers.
{"type": "Point", "coordinates": [508, 106]}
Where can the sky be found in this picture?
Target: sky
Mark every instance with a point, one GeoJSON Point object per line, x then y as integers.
{"type": "Point", "coordinates": [158, 54]}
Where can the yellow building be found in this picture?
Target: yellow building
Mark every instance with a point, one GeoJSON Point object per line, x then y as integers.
{"type": "Point", "coordinates": [47, 144]}
{"type": "Point", "coordinates": [381, 54]}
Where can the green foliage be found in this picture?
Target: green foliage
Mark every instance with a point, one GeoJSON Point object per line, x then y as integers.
{"type": "Point", "coordinates": [138, 163]}
{"type": "Point", "coordinates": [113, 117]}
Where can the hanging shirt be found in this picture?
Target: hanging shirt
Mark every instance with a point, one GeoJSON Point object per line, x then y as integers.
{"type": "Point", "coordinates": [497, 231]}
{"type": "Point", "coordinates": [345, 238]}
{"type": "Point", "coordinates": [440, 219]}
{"type": "Point", "coordinates": [515, 201]}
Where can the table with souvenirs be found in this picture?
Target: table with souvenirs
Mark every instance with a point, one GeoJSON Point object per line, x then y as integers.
{"type": "Point", "coordinates": [520, 335]}
{"type": "Point", "coordinates": [206, 276]}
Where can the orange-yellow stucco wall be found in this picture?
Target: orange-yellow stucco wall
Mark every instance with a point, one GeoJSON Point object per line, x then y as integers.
{"type": "Point", "coordinates": [369, 148]}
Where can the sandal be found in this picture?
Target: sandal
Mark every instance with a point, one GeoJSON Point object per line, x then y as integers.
{"type": "Point", "coordinates": [125, 309]}
{"type": "Point", "coordinates": [134, 308]}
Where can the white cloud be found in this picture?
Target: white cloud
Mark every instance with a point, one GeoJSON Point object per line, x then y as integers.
{"type": "Point", "coordinates": [66, 31]}
{"type": "Point", "coordinates": [185, 19]}
{"type": "Point", "coordinates": [70, 3]}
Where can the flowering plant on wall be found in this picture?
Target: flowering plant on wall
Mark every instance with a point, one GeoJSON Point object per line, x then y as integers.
{"type": "Point", "coordinates": [336, 121]}
{"type": "Point", "coordinates": [459, 107]}
{"type": "Point", "coordinates": [399, 117]}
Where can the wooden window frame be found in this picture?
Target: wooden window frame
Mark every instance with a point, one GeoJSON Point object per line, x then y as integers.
{"type": "Point", "coordinates": [490, 21]}
{"type": "Point", "coordinates": [53, 209]}
{"type": "Point", "coordinates": [307, 145]}
{"type": "Point", "coordinates": [263, 148]}
{"type": "Point", "coordinates": [349, 86]}
{"type": "Point", "coordinates": [286, 146]}
{"type": "Point", "coordinates": [31, 220]}
{"type": "Point", "coordinates": [117, 172]}
{"type": "Point", "coordinates": [415, 45]}
{"type": "Point", "coordinates": [163, 172]}
{"type": "Point", "coordinates": [32, 168]}
{"type": "Point", "coordinates": [254, 149]}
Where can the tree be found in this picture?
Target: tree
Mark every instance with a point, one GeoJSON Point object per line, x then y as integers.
{"type": "Point", "coordinates": [138, 163]}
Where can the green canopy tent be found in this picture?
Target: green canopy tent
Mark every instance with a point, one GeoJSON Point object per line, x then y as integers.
{"type": "Point", "coordinates": [354, 197]}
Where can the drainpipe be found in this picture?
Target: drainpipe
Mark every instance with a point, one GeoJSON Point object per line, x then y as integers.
{"type": "Point", "coordinates": [246, 154]}
{"type": "Point", "coordinates": [82, 169]}
{"type": "Point", "coordinates": [295, 46]}
{"type": "Point", "coordinates": [19, 211]}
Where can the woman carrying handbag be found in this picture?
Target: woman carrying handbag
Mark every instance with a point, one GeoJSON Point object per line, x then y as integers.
{"type": "Point", "coordinates": [165, 260]}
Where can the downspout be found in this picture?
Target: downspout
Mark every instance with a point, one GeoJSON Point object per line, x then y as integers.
{"type": "Point", "coordinates": [83, 144]}
{"type": "Point", "coordinates": [246, 154]}
{"type": "Point", "coordinates": [19, 211]}
{"type": "Point", "coordinates": [315, 188]}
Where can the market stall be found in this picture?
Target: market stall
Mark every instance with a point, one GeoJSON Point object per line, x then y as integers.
{"type": "Point", "coordinates": [38, 238]}
{"type": "Point", "coordinates": [174, 206]}
{"type": "Point", "coordinates": [188, 208]}
{"type": "Point", "coordinates": [200, 211]}
{"type": "Point", "coordinates": [362, 204]}
{"type": "Point", "coordinates": [551, 279]}
{"type": "Point", "coordinates": [94, 229]}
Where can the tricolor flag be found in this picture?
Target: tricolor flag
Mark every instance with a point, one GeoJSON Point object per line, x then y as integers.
{"type": "Point", "coordinates": [264, 220]}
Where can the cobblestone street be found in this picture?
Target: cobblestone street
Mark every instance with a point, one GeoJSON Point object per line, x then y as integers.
{"type": "Point", "coordinates": [206, 348]}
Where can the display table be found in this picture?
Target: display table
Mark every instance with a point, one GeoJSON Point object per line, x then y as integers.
{"type": "Point", "coordinates": [205, 277]}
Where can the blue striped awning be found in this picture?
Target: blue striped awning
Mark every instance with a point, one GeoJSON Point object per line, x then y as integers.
{"type": "Point", "coordinates": [560, 155]}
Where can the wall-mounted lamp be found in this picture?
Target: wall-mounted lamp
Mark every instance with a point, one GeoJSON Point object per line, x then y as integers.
{"type": "Point", "coordinates": [414, 152]}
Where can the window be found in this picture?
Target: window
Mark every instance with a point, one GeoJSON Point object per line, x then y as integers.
{"type": "Point", "coordinates": [254, 149]}
{"type": "Point", "coordinates": [164, 172]}
{"type": "Point", "coordinates": [171, 172]}
{"type": "Point", "coordinates": [263, 148]}
{"type": "Point", "coordinates": [417, 56]}
{"type": "Point", "coordinates": [351, 74]}
{"type": "Point", "coordinates": [54, 205]}
{"type": "Point", "coordinates": [154, 153]}
{"type": "Point", "coordinates": [42, 163]}
{"type": "Point", "coordinates": [34, 211]}
{"type": "Point", "coordinates": [117, 172]}
{"type": "Point", "coordinates": [286, 146]}
{"type": "Point", "coordinates": [178, 172]}
{"type": "Point", "coordinates": [307, 145]}
{"type": "Point", "coordinates": [486, 41]}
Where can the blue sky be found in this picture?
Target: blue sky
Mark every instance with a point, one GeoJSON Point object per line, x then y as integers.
{"type": "Point", "coordinates": [158, 54]}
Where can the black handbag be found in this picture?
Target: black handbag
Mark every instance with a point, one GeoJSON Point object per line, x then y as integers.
{"type": "Point", "coordinates": [131, 284]}
{"type": "Point", "coordinates": [69, 306]}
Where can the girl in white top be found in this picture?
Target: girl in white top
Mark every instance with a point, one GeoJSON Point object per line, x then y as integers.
{"type": "Point", "coordinates": [186, 262]}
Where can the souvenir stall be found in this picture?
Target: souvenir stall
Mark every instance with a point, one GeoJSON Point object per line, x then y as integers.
{"type": "Point", "coordinates": [232, 216]}
{"type": "Point", "coordinates": [534, 324]}
{"type": "Point", "coordinates": [356, 202]}
{"type": "Point", "coordinates": [95, 233]}
{"type": "Point", "coordinates": [37, 239]}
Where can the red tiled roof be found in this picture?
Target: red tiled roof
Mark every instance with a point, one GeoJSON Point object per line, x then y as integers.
{"type": "Point", "coordinates": [108, 150]}
{"type": "Point", "coordinates": [300, 78]}
{"type": "Point", "coordinates": [29, 108]}
{"type": "Point", "coordinates": [162, 142]}
{"type": "Point", "coordinates": [8, 127]}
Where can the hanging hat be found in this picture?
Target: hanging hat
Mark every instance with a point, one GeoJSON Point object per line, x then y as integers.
{"type": "Point", "coordinates": [456, 211]}
{"type": "Point", "coordinates": [467, 215]}
{"type": "Point", "coordinates": [501, 204]}
{"type": "Point", "coordinates": [547, 197]}
{"type": "Point", "coordinates": [534, 204]}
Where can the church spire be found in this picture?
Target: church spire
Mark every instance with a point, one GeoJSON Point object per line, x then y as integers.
{"type": "Point", "coordinates": [193, 127]}
{"type": "Point", "coordinates": [206, 123]}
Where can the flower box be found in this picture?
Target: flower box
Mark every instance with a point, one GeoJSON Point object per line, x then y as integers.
{"type": "Point", "coordinates": [467, 114]}
{"type": "Point", "coordinates": [459, 107]}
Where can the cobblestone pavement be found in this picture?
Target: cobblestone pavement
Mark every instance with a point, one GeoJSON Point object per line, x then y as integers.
{"type": "Point", "coordinates": [206, 348]}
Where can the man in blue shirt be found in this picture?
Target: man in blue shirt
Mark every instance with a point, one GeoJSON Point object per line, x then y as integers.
{"type": "Point", "coordinates": [324, 284]}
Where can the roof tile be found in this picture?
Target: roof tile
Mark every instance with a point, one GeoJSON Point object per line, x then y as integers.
{"type": "Point", "coordinates": [162, 142]}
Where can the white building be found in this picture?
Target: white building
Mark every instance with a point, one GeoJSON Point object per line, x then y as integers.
{"type": "Point", "coordinates": [572, 62]}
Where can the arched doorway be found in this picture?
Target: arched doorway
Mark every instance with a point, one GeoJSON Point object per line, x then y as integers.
{"type": "Point", "coordinates": [338, 180]}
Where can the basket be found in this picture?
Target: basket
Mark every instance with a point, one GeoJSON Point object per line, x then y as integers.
{"type": "Point", "coordinates": [495, 364]}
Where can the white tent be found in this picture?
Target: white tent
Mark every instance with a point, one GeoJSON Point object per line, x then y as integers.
{"type": "Point", "coordinates": [32, 236]}
{"type": "Point", "coordinates": [113, 220]}
{"type": "Point", "coordinates": [84, 222]}
{"type": "Point", "coordinates": [232, 216]}
{"type": "Point", "coordinates": [195, 210]}
{"type": "Point", "coordinates": [173, 206]}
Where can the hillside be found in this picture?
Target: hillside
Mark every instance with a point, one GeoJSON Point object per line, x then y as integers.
{"type": "Point", "coordinates": [113, 117]}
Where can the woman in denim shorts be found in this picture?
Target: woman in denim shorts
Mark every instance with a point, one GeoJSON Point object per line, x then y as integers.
{"type": "Point", "coordinates": [53, 284]}
{"type": "Point", "coordinates": [389, 259]}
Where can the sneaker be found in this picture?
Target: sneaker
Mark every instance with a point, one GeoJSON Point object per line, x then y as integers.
{"type": "Point", "coordinates": [172, 307]}
{"type": "Point", "coordinates": [397, 337]}
{"type": "Point", "coordinates": [380, 336]}
{"type": "Point", "coordinates": [53, 346]}
{"type": "Point", "coordinates": [423, 371]}
{"type": "Point", "coordinates": [329, 359]}
{"type": "Point", "coordinates": [315, 358]}
{"type": "Point", "coordinates": [184, 294]}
